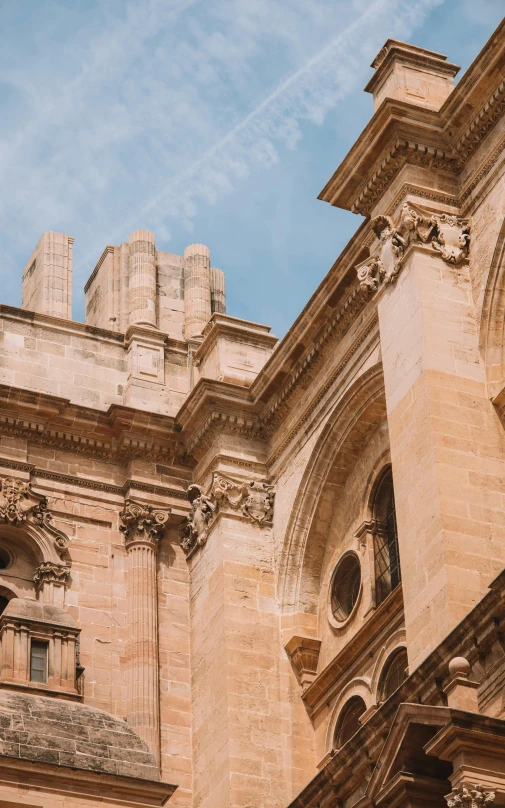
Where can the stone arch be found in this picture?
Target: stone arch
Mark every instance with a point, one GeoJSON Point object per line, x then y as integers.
{"type": "Point", "coordinates": [397, 640]}
{"type": "Point", "coordinates": [492, 325]}
{"type": "Point", "coordinates": [361, 686]}
{"type": "Point", "coordinates": [354, 419]}
{"type": "Point", "coordinates": [39, 540]}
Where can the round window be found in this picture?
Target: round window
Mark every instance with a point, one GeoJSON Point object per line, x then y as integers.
{"type": "Point", "coordinates": [345, 587]}
{"type": "Point", "coordinates": [5, 559]}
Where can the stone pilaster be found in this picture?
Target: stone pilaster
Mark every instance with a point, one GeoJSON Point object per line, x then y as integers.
{"type": "Point", "coordinates": [197, 290]}
{"type": "Point", "coordinates": [142, 279]}
{"type": "Point", "coordinates": [142, 527]}
{"type": "Point", "coordinates": [239, 732]}
{"type": "Point", "coordinates": [445, 436]}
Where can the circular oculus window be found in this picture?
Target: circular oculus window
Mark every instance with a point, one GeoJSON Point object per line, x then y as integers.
{"type": "Point", "coordinates": [5, 559]}
{"type": "Point", "coordinates": [345, 587]}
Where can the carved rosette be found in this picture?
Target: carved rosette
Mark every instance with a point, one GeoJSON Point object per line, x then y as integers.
{"type": "Point", "coordinates": [47, 572]}
{"type": "Point", "coordinates": [252, 499]}
{"type": "Point", "coordinates": [447, 234]}
{"type": "Point", "coordinates": [142, 523]}
{"type": "Point", "coordinates": [469, 797]}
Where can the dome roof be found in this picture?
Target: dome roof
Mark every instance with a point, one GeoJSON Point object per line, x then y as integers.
{"type": "Point", "coordinates": [64, 733]}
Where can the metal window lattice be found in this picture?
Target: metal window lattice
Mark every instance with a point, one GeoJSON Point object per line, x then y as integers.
{"type": "Point", "coordinates": [387, 557]}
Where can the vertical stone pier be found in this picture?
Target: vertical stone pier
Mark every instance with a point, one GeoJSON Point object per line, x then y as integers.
{"type": "Point", "coordinates": [446, 440]}
{"type": "Point", "coordinates": [142, 279]}
{"type": "Point", "coordinates": [197, 289]}
{"type": "Point", "coordinates": [143, 527]}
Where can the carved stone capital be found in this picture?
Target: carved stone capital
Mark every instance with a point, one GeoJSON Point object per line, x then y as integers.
{"type": "Point", "coordinates": [468, 796]}
{"type": "Point", "coordinates": [448, 234]}
{"type": "Point", "coordinates": [142, 523]}
{"type": "Point", "coordinates": [304, 655]}
{"type": "Point", "coordinates": [252, 499]}
{"type": "Point", "coordinates": [47, 572]}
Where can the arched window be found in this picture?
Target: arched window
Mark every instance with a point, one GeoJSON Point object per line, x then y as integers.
{"type": "Point", "coordinates": [345, 586]}
{"type": "Point", "coordinates": [394, 672]}
{"type": "Point", "coordinates": [386, 554]}
{"type": "Point", "coordinates": [348, 722]}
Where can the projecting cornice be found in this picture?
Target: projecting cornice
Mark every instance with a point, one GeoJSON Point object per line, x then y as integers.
{"type": "Point", "coordinates": [441, 142]}
{"type": "Point", "coordinates": [117, 436]}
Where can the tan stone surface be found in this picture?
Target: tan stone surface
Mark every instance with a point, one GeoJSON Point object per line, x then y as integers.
{"type": "Point", "coordinates": [210, 635]}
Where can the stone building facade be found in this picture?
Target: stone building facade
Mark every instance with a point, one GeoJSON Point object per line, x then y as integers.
{"type": "Point", "coordinates": [243, 573]}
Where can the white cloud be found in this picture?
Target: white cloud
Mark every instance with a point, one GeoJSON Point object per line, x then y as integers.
{"type": "Point", "coordinates": [166, 105]}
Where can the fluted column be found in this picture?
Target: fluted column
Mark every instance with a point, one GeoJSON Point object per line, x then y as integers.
{"type": "Point", "coordinates": [217, 291]}
{"type": "Point", "coordinates": [143, 526]}
{"type": "Point", "coordinates": [197, 297]}
{"type": "Point", "coordinates": [142, 279]}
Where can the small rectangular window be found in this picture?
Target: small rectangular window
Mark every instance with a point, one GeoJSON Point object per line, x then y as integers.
{"type": "Point", "coordinates": [38, 661]}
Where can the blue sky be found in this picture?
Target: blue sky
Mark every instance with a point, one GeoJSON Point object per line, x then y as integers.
{"type": "Point", "coordinates": [216, 121]}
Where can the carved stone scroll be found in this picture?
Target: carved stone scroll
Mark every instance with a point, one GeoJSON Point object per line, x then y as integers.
{"type": "Point", "coordinates": [448, 235]}
{"type": "Point", "coordinates": [20, 505]}
{"type": "Point", "coordinates": [18, 502]}
{"type": "Point", "coordinates": [252, 499]}
{"type": "Point", "coordinates": [469, 797]}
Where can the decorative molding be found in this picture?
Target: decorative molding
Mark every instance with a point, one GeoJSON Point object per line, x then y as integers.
{"type": "Point", "coordinates": [47, 572]}
{"type": "Point", "coordinates": [448, 234]}
{"type": "Point", "coordinates": [303, 653]}
{"type": "Point", "coordinates": [194, 529]}
{"type": "Point", "coordinates": [231, 423]}
{"type": "Point", "coordinates": [469, 797]}
{"type": "Point", "coordinates": [400, 153]}
{"type": "Point", "coordinates": [316, 400]}
{"type": "Point", "coordinates": [481, 125]}
{"type": "Point", "coordinates": [254, 500]}
{"type": "Point", "coordinates": [20, 504]}
{"type": "Point", "coordinates": [307, 369]}
{"type": "Point", "coordinates": [117, 452]}
{"type": "Point", "coordinates": [142, 523]}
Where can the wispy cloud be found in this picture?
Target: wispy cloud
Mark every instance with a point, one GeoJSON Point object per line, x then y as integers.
{"type": "Point", "coordinates": [148, 109]}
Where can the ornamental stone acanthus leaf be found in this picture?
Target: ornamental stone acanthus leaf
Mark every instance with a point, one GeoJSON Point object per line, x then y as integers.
{"type": "Point", "coordinates": [142, 522]}
{"type": "Point", "coordinates": [447, 234]}
{"type": "Point", "coordinates": [469, 797]}
{"type": "Point", "coordinates": [252, 499]}
{"type": "Point", "coordinates": [19, 504]}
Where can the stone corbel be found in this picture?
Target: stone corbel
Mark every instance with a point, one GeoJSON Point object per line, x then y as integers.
{"type": "Point", "coordinates": [142, 523]}
{"type": "Point", "coordinates": [253, 499]}
{"type": "Point", "coordinates": [303, 653]}
{"type": "Point", "coordinates": [448, 234]}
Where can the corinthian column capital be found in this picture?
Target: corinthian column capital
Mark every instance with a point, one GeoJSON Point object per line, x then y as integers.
{"type": "Point", "coordinates": [142, 523]}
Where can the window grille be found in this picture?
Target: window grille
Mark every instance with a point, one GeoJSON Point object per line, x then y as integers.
{"type": "Point", "coordinates": [387, 556]}
{"type": "Point", "coordinates": [395, 672]}
{"type": "Point", "coordinates": [349, 722]}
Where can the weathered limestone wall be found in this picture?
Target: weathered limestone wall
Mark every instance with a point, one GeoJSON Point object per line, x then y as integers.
{"type": "Point", "coordinates": [447, 448]}
{"type": "Point", "coordinates": [47, 277]}
{"type": "Point", "coordinates": [240, 730]}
